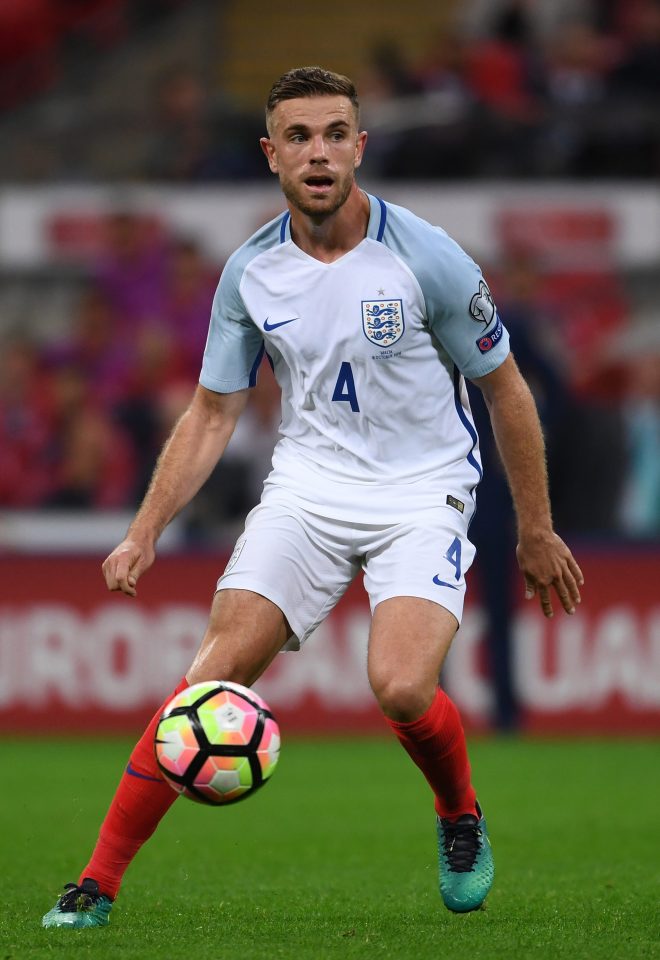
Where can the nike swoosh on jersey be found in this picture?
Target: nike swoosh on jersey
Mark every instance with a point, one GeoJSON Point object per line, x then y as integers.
{"type": "Point", "coordinates": [443, 583]}
{"type": "Point", "coordinates": [273, 326]}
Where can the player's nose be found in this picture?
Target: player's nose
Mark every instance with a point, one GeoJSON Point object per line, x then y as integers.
{"type": "Point", "coordinates": [318, 151]}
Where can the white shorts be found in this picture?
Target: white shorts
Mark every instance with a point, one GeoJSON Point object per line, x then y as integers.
{"type": "Point", "coordinates": [304, 563]}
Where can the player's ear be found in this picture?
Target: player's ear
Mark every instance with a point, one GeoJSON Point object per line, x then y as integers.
{"type": "Point", "coordinates": [360, 144]}
{"type": "Point", "coordinates": [268, 148]}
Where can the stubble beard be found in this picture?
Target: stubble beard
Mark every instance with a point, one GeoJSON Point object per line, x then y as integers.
{"type": "Point", "coordinates": [323, 207]}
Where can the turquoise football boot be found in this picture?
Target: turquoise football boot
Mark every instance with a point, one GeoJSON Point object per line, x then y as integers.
{"type": "Point", "coordinates": [79, 907]}
{"type": "Point", "coordinates": [466, 862]}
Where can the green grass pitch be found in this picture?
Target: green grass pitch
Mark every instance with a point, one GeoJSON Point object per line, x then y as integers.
{"type": "Point", "coordinates": [335, 858]}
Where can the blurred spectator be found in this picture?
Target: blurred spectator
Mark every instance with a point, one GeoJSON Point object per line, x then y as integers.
{"type": "Point", "coordinates": [543, 16]}
{"type": "Point", "coordinates": [577, 59]}
{"type": "Point", "coordinates": [383, 83]}
{"type": "Point", "coordinates": [640, 506]}
{"type": "Point", "coordinates": [82, 419]}
{"type": "Point", "coordinates": [28, 50]}
{"type": "Point", "coordinates": [590, 310]}
{"type": "Point", "coordinates": [629, 142]}
{"type": "Point", "coordinates": [499, 68]}
{"type": "Point", "coordinates": [191, 285]}
{"type": "Point", "coordinates": [638, 73]}
{"type": "Point", "coordinates": [444, 147]}
{"type": "Point", "coordinates": [193, 138]}
{"type": "Point", "coordinates": [442, 66]}
{"type": "Point", "coordinates": [501, 73]}
{"type": "Point", "coordinates": [528, 315]}
{"type": "Point", "coordinates": [87, 28]}
{"type": "Point", "coordinates": [541, 96]}
{"type": "Point", "coordinates": [132, 272]}
{"type": "Point", "coordinates": [95, 347]}
{"type": "Point", "coordinates": [88, 460]}
{"type": "Point", "coordinates": [155, 369]}
{"type": "Point", "coordinates": [387, 74]}
{"type": "Point", "coordinates": [561, 327]}
{"type": "Point", "coordinates": [24, 426]}
{"type": "Point", "coordinates": [577, 62]}
{"type": "Point", "coordinates": [173, 289]}
{"type": "Point", "coordinates": [182, 146]}
{"type": "Point", "coordinates": [419, 118]}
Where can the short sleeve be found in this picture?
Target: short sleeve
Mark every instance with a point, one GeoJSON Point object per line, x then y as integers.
{"type": "Point", "coordinates": [234, 346]}
{"type": "Point", "coordinates": [462, 313]}
{"type": "Point", "coordinates": [459, 307]}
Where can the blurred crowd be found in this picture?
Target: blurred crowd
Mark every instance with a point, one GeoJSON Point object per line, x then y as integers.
{"type": "Point", "coordinates": [82, 417]}
{"type": "Point", "coordinates": [578, 97]}
{"type": "Point", "coordinates": [510, 92]}
{"type": "Point", "coordinates": [43, 40]}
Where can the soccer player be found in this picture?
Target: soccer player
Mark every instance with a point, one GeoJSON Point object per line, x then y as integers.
{"type": "Point", "coordinates": [371, 318]}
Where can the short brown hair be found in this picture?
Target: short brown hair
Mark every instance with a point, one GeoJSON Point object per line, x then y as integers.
{"type": "Point", "coordinates": [310, 82]}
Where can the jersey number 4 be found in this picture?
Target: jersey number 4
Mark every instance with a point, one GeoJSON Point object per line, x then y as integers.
{"type": "Point", "coordinates": [345, 387]}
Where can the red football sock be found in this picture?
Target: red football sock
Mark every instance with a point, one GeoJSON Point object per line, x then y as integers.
{"type": "Point", "coordinates": [142, 799]}
{"type": "Point", "coordinates": [436, 743]}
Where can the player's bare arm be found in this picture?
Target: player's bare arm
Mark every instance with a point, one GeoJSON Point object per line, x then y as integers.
{"type": "Point", "coordinates": [189, 455]}
{"type": "Point", "coordinates": [543, 557]}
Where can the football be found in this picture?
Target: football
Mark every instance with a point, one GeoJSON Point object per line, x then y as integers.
{"type": "Point", "coordinates": [217, 742]}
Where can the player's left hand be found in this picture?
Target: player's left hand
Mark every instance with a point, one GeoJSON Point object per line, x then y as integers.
{"type": "Point", "coordinates": [547, 563]}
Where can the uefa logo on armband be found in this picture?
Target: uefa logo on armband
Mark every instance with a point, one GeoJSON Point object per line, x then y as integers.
{"type": "Point", "coordinates": [490, 340]}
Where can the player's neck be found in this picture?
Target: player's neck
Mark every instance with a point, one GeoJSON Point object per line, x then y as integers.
{"type": "Point", "coordinates": [329, 239]}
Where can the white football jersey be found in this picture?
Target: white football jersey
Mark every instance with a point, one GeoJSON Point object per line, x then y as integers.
{"type": "Point", "coordinates": [370, 352]}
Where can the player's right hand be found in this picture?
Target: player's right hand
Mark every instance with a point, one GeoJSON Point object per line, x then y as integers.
{"type": "Point", "coordinates": [127, 563]}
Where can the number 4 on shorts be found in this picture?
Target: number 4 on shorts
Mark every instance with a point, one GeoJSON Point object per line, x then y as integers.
{"type": "Point", "coordinates": [454, 556]}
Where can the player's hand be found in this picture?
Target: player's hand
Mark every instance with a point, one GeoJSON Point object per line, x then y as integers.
{"type": "Point", "coordinates": [547, 564]}
{"type": "Point", "coordinates": [127, 563]}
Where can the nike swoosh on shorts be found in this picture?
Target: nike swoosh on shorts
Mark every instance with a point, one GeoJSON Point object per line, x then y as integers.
{"type": "Point", "coordinates": [443, 583]}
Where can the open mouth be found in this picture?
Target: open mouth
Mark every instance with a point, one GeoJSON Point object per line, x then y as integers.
{"type": "Point", "coordinates": [319, 183]}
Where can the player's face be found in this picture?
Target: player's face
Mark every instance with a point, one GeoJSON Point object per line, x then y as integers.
{"type": "Point", "coordinates": [315, 148]}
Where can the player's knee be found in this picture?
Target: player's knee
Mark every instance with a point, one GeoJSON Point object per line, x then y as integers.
{"type": "Point", "coordinates": [402, 698]}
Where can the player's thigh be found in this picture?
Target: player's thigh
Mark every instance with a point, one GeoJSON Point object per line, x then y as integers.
{"type": "Point", "coordinates": [408, 642]}
{"type": "Point", "coordinates": [415, 578]}
{"type": "Point", "coordinates": [244, 633]}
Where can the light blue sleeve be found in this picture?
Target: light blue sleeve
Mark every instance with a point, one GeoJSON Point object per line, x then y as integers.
{"type": "Point", "coordinates": [234, 346]}
{"type": "Point", "coordinates": [460, 309]}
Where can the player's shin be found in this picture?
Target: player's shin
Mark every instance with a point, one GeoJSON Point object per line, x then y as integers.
{"type": "Point", "coordinates": [436, 743]}
{"type": "Point", "coordinates": [141, 800]}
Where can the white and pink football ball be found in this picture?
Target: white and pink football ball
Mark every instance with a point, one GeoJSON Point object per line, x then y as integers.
{"type": "Point", "coordinates": [217, 742]}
